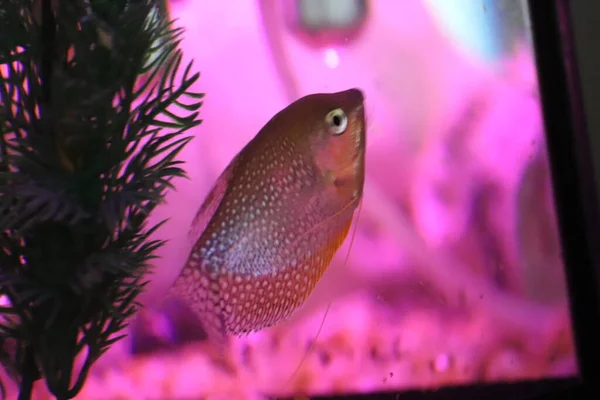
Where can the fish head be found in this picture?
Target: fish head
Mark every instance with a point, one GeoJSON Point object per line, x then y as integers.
{"type": "Point", "coordinates": [338, 141]}
{"type": "Point", "coordinates": [324, 134]}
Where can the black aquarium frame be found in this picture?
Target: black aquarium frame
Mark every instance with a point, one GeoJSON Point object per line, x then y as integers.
{"type": "Point", "coordinates": [566, 37]}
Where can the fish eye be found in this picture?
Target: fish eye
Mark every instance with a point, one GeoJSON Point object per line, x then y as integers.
{"type": "Point", "coordinates": [337, 121]}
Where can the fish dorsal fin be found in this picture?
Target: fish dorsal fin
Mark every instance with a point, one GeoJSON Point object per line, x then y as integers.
{"type": "Point", "coordinates": [209, 207]}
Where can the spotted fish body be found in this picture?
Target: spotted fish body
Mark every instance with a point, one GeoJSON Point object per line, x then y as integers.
{"type": "Point", "coordinates": [276, 216]}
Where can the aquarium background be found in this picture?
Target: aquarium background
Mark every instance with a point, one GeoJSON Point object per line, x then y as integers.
{"type": "Point", "coordinates": [455, 273]}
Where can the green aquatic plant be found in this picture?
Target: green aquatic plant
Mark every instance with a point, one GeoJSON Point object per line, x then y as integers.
{"type": "Point", "coordinates": [88, 147]}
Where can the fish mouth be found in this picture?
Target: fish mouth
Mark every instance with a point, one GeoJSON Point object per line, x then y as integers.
{"type": "Point", "coordinates": [353, 100]}
{"type": "Point", "coordinates": [358, 115]}
{"type": "Point", "coordinates": [356, 96]}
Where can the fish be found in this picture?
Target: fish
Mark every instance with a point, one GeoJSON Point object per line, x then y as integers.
{"type": "Point", "coordinates": [275, 217]}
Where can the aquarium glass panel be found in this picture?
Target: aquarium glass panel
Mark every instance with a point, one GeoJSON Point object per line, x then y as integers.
{"type": "Point", "coordinates": [451, 270]}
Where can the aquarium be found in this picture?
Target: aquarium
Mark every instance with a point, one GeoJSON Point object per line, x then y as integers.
{"type": "Point", "coordinates": [452, 270]}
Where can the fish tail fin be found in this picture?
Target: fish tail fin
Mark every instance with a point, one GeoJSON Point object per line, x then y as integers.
{"type": "Point", "coordinates": [199, 304]}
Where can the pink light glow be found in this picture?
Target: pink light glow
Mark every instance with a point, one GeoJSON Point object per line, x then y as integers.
{"type": "Point", "coordinates": [332, 58]}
